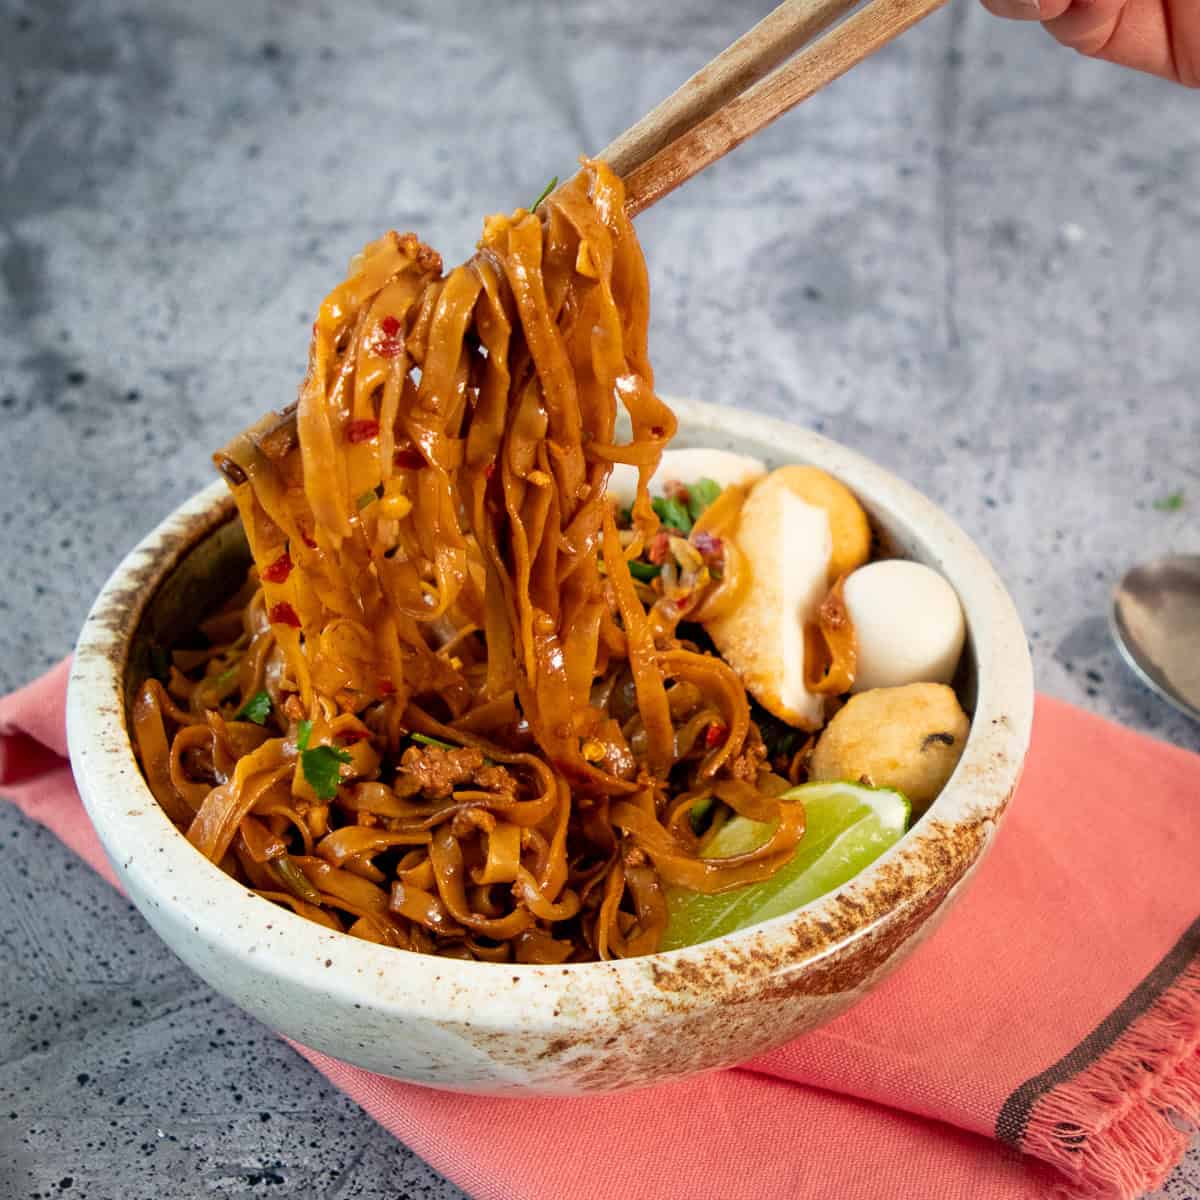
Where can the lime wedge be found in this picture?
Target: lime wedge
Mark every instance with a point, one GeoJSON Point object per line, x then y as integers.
{"type": "Point", "coordinates": [848, 827]}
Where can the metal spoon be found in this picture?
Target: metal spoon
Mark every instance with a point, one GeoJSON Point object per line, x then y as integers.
{"type": "Point", "coordinates": [1156, 624]}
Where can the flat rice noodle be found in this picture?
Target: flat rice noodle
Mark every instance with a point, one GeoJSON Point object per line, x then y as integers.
{"type": "Point", "coordinates": [651, 903]}
{"type": "Point", "coordinates": [492, 716]}
{"type": "Point", "coordinates": [365, 869]}
{"type": "Point", "coordinates": [676, 865]}
{"type": "Point", "coordinates": [748, 801]}
{"type": "Point", "coordinates": [273, 806]}
{"type": "Point", "coordinates": [446, 856]}
{"type": "Point", "coordinates": [719, 683]}
{"type": "Point", "coordinates": [389, 932]}
{"type": "Point", "coordinates": [503, 854]}
{"type": "Point", "coordinates": [535, 850]}
{"type": "Point", "coordinates": [643, 657]}
{"type": "Point", "coordinates": [374, 797]}
{"type": "Point", "coordinates": [608, 940]}
{"type": "Point", "coordinates": [154, 753]}
{"type": "Point", "coordinates": [494, 609]}
{"type": "Point", "coordinates": [720, 520]}
{"type": "Point", "coordinates": [261, 843]}
{"type": "Point", "coordinates": [196, 738]}
{"type": "Point", "coordinates": [363, 841]}
{"type": "Point", "coordinates": [678, 818]}
{"type": "Point", "coordinates": [313, 912]}
{"type": "Point", "coordinates": [553, 875]}
{"type": "Point", "coordinates": [417, 870]}
{"type": "Point", "coordinates": [426, 908]}
{"type": "Point", "coordinates": [536, 946]}
{"type": "Point", "coordinates": [368, 931]}
{"type": "Point", "coordinates": [213, 828]}
{"type": "Point", "coordinates": [332, 881]}
{"type": "Point", "coordinates": [499, 952]}
{"type": "Point", "coordinates": [527, 890]}
{"type": "Point", "coordinates": [257, 874]}
{"type": "Point", "coordinates": [831, 646]}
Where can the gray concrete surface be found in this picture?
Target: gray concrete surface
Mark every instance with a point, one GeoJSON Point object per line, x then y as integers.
{"type": "Point", "coordinates": [976, 258]}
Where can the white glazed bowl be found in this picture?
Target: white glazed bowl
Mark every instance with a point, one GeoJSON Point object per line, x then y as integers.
{"type": "Point", "coordinates": [586, 1027]}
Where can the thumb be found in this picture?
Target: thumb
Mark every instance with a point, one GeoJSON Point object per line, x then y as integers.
{"type": "Point", "coordinates": [1081, 19]}
{"type": "Point", "coordinates": [1161, 37]}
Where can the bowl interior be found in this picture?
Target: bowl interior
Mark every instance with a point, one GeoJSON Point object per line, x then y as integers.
{"type": "Point", "coordinates": [206, 574]}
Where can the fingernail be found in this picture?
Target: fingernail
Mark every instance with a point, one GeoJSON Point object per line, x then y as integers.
{"type": "Point", "coordinates": [1017, 10]}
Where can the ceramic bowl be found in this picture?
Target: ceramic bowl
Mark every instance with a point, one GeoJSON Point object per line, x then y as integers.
{"type": "Point", "coordinates": [587, 1027]}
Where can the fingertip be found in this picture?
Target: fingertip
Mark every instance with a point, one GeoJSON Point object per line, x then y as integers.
{"type": "Point", "coordinates": [1051, 10]}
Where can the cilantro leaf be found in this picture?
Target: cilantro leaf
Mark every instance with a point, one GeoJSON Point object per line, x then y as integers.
{"type": "Point", "coordinates": [1172, 503]}
{"type": "Point", "coordinates": [366, 498]}
{"type": "Point", "coordinates": [256, 709]}
{"type": "Point", "coordinates": [544, 193]}
{"type": "Point", "coordinates": [700, 495]}
{"type": "Point", "coordinates": [673, 513]}
{"type": "Point", "coordinates": [644, 571]}
{"type": "Point", "coordinates": [321, 765]}
{"type": "Point", "coordinates": [322, 769]}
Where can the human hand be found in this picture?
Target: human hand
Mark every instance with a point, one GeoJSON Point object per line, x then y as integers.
{"type": "Point", "coordinates": [1158, 36]}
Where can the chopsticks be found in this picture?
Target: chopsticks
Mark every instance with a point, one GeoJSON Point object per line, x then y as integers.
{"type": "Point", "coordinates": [745, 88]}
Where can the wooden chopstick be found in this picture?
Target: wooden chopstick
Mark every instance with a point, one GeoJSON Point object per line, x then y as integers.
{"type": "Point", "coordinates": [774, 39]}
{"type": "Point", "coordinates": [734, 119]}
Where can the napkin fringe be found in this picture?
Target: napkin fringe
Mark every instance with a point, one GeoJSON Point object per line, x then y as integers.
{"type": "Point", "coordinates": [1117, 1128]}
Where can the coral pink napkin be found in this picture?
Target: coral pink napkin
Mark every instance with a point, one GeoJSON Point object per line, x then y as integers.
{"type": "Point", "coordinates": [1044, 1041]}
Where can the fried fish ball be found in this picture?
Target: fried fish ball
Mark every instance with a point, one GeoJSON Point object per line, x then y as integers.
{"type": "Point", "coordinates": [798, 531]}
{"type": "Point", "coordinates": [908, 624]}
{"type": "Point", "coordinates": [909, 738]}
{"type": "Point", "coordinates": [785, 544]}
{"type": "Point", "coordinates": [848, 525]}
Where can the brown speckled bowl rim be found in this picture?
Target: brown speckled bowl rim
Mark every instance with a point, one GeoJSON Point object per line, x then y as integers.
{"type": "Point", "coordinates": [870, 915]}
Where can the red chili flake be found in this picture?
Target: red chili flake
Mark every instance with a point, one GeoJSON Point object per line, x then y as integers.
{"type": "Point", "coordinates": [279, 570]}
{"type": "Point", "coordinates": [284, 614]}
{"type": "Point", "coordinates": [657, 431]}
{"type": "Point", "coordinates": [715, 735]}
{"type": "Point", "coordinates": [390, 326]}
{"type": "Point", "coordinates": [387, 687]}
{"type": "Point", "coordinates": [388, 347]}
{"type": "Point", "coordinates": [348, 737]}
{"type": "Point", "coordinates": [362, 431]}
{"type": "Point", "coordinates": [491, 470]}
{"type": "Point", "coordinates": [308, 541]}
{"type": "Point", "coordinates": [660, 544]}
{"type": "Point", "coordinates": [409, 460]}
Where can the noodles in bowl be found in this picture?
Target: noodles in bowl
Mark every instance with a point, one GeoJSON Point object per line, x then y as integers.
{"type": "Point", "coordinates": [466, 703]}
